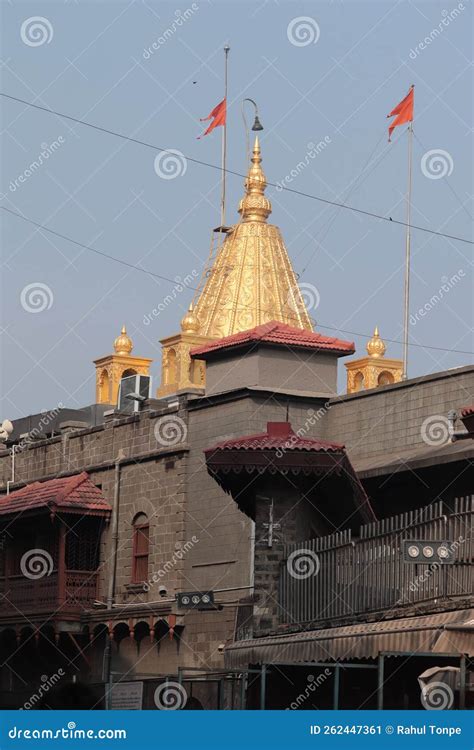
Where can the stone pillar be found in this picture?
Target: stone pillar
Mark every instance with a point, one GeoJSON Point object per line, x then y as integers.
{"type": "Point", "coordinates": [268, 560]}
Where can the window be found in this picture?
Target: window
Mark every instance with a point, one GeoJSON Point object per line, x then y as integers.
{"type": "Point", "coordinates": [141, 544]}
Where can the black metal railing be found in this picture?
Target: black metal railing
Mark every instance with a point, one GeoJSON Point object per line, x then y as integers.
{"type": "Point", "coordinates": [340, 576]}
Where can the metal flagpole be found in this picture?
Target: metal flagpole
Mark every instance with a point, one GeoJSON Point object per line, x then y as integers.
{"type": "Point", "coordinates": [224, 138]}
{"type": "Point", "coordinates": [406, 321]}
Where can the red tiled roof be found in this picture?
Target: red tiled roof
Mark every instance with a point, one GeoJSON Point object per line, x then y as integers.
{"type": "Point", "coordinates": [278, 333]}
{"type": "Point", "coordinates": [69, 494]}
{"type": "Point", "coordinates": [279, 435]}
{"type": "Point", "coordinates": [466, 411]}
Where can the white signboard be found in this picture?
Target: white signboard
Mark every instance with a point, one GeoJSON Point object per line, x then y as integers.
{"type": "Point", "coordinates": [127, 696]}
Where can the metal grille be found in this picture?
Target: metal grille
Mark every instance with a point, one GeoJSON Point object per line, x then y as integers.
{"type": "Point", "coordinates": [351, 576]}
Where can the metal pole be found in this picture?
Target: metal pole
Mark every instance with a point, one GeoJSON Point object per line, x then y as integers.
{"type": "Point", "coordinates": [380, 683]}
{"type": "Point", "coordinates": [407, 255]}
{"type": "Point", "coordinates": [336, 688]}
{"type": "Point", "coordinates": [224, 137]}
{"type": "Point", "coordinates": [263, 684]}
{"type": "Point", "coordinates": [462, 681]}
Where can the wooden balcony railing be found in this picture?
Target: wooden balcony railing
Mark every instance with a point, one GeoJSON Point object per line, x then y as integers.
{"type": "Point", "coordinates": [21, 595]}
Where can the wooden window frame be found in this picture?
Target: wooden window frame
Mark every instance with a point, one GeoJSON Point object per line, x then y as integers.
{"type": "Point", "coordinates": [138, 556]}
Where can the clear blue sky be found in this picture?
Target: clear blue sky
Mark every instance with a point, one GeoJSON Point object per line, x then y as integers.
{"type": "Point", "coordinates": [104, 191]}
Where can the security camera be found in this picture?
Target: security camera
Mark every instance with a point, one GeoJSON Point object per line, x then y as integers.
{"type": "Point", "coordinates": [221, 647]}
{"type": "Point", "coordinates": [162, 590]}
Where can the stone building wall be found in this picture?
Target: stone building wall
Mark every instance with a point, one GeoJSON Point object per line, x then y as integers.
{"type": "Point", "coordinates": [391, 418]}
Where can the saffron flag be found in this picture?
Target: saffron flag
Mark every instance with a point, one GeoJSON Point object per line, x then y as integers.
{"type": "Point", "coordinates": [218, 117]}
{"type": "Point", "coordinates": [403, 112]}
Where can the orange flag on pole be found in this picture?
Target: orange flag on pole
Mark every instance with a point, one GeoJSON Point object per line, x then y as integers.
{"type": "Point", "coordinates": [218, 117]}
{"type": "Point", "coordinates": [403, 112]}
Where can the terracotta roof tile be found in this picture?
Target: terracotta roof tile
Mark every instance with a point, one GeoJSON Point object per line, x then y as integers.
{"type": "Point", "coordinates": [466, 411]}
{"type": "Point", "coordinates": [279, 435]}
{"type": "Point", "coordinates": [75, 493]}
{"type": "Point", "coordinates": [278, 333]}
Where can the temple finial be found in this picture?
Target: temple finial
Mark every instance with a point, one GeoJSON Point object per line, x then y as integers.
{"type": "Point", "coordinates": [376, 346]}
{"type": "Point", "coordinates": [255, 206]}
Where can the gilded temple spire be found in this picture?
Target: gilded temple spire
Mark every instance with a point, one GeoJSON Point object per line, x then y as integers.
{"type": "Point", "coordinates": [251, 281]}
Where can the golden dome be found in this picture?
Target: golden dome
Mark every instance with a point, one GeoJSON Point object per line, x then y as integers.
{"type": "Point", "coordinates": [376, 346]}
{"type": "Point", "coordinates": [190, 323]}
{"type": "Point", "coordinates": [123, 344]}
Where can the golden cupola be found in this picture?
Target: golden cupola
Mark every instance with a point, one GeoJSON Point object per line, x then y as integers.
{"type": "Point", "coordinates": [376, 346]}
{"type": "Point", "coordinates": [248, 281]}
{"type": "Point", "coordinates": [374, 370]}
{"type": "Point", "coordinates": [113, 367]}
{"type": "Point", "coordinates": [123, 344]}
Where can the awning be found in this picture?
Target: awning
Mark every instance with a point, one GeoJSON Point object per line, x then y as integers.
{"type": "Point", "coordinates": [434, 633]}
{"type": "Point", "coordinates": [458, 636]}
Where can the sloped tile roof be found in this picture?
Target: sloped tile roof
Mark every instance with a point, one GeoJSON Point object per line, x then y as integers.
{"type": "Point", "coordinates": [278, 333]}
{"type": "Point", "coordinates": [70, 494]}
{"type": "Point", "coordinates": [279, 435]}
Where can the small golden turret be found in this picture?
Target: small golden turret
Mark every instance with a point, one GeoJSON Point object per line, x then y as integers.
{"type": "Point", "coordinates": [113, 367]}
{"type": "Point", "coordinates": [374, 370]}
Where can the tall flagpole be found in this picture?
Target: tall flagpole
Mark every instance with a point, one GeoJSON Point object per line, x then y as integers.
{"type": "Point", "coordinates": [407, 254]}
{"type": "Point", "coordinates": [224, 138]}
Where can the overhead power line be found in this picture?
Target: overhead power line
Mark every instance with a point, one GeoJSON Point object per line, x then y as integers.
{"type": "Point", "coordinates": [191, 159]}
{"type": "Point", "coordinates": [175, 282]}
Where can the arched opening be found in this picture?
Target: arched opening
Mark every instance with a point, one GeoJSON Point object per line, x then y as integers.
{"type": "Point", "coordinates": [196, 372]}
{"type": "Point", "coordinates": [385, 378]}
{"type": "Point", "coordinates": [127, 373]}
{"type": "Point", "coordinates": [140, 548]}
{"type": "Point", "coordinates": [142, 631]}
{"type": "Point", "coordinates": [359, 382]}
{"type": "Point", "coordinates": [104, 387]}
{"type": "Point", "coordinates": [169, 374]}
